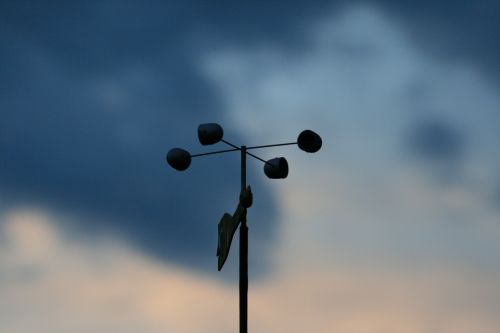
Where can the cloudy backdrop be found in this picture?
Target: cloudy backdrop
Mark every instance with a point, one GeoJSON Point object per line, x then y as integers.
{"type": "Point", "coordinates": [394, 226]}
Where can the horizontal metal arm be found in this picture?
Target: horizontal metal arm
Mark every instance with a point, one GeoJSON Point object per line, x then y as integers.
{"type": "Point", "coordinates": [215, 152]}
{"type": "Point", "coordinates": [235, 148]}
{"type": "Point", "coordinates": [275, 145]}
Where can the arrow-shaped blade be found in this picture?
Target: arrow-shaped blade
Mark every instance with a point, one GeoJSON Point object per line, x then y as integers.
{"type": "Point", "coordinates": [228, 225]}
{"type": "Point", "coordinates": [227, 228]}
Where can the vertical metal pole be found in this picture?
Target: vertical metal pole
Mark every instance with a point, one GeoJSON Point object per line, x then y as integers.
{"type": "Point", "coordinates": [243, 251]}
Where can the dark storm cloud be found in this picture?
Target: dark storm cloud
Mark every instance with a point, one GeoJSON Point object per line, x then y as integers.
{"type": "Point", "coordinates": [92, 96]}
{"type": "Point", "coordinates": [93, 93]}
{"type": "Point", "coordinates": [437, 142]}
{"type": "Point", "coordinates": [459, 31]}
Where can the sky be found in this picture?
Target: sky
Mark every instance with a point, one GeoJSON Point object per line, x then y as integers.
{"type": "Point", "coordinates": [393, 226]}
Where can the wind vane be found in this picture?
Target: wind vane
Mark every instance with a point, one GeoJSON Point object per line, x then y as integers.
{"type": "Point", "coordinates": [276, 168]}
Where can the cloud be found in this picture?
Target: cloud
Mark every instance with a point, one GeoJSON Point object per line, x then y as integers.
{"type": "Point", "coordinates": [102, 286]}
{"type": "Point", "coordinates": [108, 286]}
{"type": "Point", "coordinates": [366, 88]}
{"type": "Point", "coordinates": [452, 31]}
{"type": "Point", "coordinates": [93, 92]}
{"type": "Point", "coordinates": [437, 141]}
{"type": "Point", "coordinates": [368, 242]}
{"type": "Point", "coordinates": [93, 96]}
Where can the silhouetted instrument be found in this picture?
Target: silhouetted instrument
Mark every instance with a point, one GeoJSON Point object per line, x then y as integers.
{"type": "Point", "coordinates": [276, 168]}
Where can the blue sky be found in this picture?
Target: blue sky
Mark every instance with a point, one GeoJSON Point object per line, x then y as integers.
{"type": "Point", "coordinates": [392, 226]}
